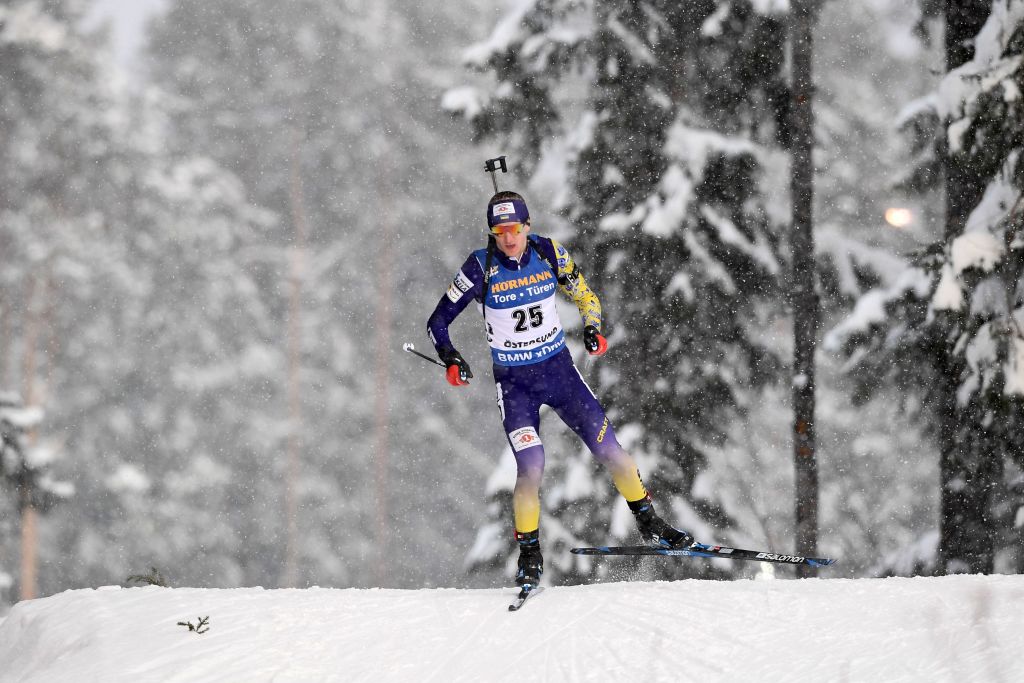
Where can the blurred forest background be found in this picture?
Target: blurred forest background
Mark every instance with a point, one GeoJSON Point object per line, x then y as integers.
{"type": "Point", "coordinates": [214, 241]}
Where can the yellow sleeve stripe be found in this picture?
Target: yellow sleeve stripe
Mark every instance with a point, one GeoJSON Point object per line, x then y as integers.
{"type": "Point", "coordinates": [574, 285]}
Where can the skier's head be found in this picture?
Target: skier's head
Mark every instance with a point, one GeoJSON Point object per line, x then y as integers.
{"type": "Point", "coordinates": [509, 221]}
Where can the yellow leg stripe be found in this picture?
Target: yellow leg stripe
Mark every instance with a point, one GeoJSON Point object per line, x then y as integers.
{"type": "Point", "coordinates": [626, 478]}
{"type": "Point", "coordinates": [526, 506]}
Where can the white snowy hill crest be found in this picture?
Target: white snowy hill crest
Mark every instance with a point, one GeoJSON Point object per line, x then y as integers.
{"type": "Point", "coordinates": [958, 628]}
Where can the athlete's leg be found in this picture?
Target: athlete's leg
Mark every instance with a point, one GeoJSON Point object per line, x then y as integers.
{"type": "Point", "coordinates": [526, 495]}
{"type": "Point", "coordinates": [520, 416]}
{"type": "Point", "coordinates": [580, 410]}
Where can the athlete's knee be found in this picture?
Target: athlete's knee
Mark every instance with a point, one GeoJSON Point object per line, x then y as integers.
{"type": "Point", "coordinates": [530, 463]}
{"type": "Point", "coordinates": [610, 454]}
{"type": "Point", "coordinates": [615, 459]}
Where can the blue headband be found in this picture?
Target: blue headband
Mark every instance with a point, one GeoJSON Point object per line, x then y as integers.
{"type": "Point", "coordinates": [507, 211]}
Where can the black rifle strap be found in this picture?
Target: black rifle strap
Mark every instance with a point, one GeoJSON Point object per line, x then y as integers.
{"type": "Point", "coordinates": [491, 246]}
{"type": "Point", "coordinates": [561, 280]}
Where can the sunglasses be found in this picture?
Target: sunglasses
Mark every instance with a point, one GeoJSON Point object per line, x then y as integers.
{"type": "Point", "coordinates": [507, 228]}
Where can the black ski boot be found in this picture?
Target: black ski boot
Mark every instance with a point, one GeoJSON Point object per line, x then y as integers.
{"type": "Point", "coordinates": [531, 563]}
{"type": "Point", "coordinates": [654, 528]}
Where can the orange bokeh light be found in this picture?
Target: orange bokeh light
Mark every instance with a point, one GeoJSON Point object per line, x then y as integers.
{"type": "Point", "coordinates": [899, 218]}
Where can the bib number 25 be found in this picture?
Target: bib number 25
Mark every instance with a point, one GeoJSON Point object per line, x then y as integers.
{"type": "Point", "coordinates": [528, 317]}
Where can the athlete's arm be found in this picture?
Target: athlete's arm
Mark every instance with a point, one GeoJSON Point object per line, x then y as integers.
{"type": "Point", "coordinates": [574, 285]}
{"type": "Point", "coordinates": [466, 286]}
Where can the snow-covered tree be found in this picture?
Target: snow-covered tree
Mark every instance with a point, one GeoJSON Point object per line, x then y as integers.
{"type": "Point", "coordinates": [124, 302]}
{"type": "Point", "coordinates": [949, 333]}
{"type": "Point", "coordinates": [26, 471]}
{"type": "Point", "coordinates": [322, 110]}
{"type": "Point", "coordinates": [668, 121]}
{"type": "Point", "coordinates": [58, 143]}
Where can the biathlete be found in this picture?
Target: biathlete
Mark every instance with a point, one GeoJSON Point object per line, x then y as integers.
{"type": "Point", "coordinates": [515, 279]}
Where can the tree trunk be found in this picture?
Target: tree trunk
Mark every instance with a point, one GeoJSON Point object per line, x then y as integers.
{"type": "Point", "coordinates": [34, 322]}
{"type": "Point", "coordinates": [804, 298]}
{"type": "Point", "coordinates": [964, 18]}
{"type": "Point", "coordinates": [381, 413]}
{"type": "Point", "coordinates": [970, 464]}
{"type": "Point", "coordinates": [974, 475]}
{"type": "Point", "coordinates": [29, 541]}
{"type": "Point", "coordinates": [296, 272]}
{"type": "Point", "coordinates": [6, 313]}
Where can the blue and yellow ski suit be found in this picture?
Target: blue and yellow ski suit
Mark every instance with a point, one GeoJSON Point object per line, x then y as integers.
{"type": "Point", "coordinates": [532, 366]}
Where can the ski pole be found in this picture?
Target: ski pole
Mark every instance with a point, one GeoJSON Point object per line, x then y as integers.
{"type": "Point", "coordinates": [407, 346]}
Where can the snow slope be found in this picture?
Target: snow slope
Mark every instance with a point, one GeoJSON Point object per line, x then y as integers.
{"type": "Point", "coordinates": [957, 628]}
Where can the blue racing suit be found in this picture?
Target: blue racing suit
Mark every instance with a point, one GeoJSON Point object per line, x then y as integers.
{"type": "Point", "coordinates": [532, 366]}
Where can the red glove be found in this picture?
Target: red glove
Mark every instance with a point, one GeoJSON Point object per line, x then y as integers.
{"type": "Point", "coordinates": [458, 372]}
{"type": "Point", "coordinates": [456, 376]}
{"type": "Point", "coordinates": [594, 341]}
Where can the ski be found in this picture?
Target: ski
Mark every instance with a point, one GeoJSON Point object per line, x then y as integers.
{"type": "Point", "coordinates": [524, 594]}
{"type": "Point", "coordinates": [703, 550]}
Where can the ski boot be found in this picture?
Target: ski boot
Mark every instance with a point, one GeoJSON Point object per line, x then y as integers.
{"type": "Point", "coordinates": [654, 528]}
{"type": "Point", "coordinates": [531, 563]}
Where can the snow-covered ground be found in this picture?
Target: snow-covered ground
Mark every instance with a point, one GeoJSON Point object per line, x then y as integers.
{"type": "Point", "coordinates": [958, 628]}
